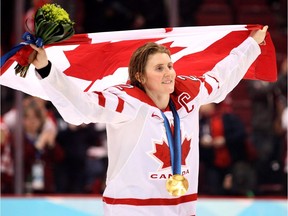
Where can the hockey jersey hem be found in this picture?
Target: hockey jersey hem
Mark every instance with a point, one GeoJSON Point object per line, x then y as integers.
{"type": "Point", "coordinates": [150, 201]}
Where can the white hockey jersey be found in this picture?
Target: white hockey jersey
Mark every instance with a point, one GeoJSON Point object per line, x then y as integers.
{"type": "Point", "coordinates": [138, 151]}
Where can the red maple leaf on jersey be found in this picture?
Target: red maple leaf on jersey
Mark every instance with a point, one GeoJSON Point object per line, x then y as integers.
{"type": "Point", "coordinates": [163, 153]}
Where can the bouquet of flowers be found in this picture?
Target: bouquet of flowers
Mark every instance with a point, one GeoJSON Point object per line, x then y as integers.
{"type": "Point", "coordinates": [52, 24]}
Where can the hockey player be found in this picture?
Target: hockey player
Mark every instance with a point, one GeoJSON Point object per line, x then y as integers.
{"type": "Point", "coordinates": [152, 124]}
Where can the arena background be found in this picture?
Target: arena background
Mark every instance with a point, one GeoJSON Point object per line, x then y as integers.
{"type": "Point", "coordinates": [178, 13]}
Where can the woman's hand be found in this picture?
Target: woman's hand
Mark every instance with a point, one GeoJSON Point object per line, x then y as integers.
{"type": "Point", "coordinates": [41, 59]}
{"type": "Point", "coordinates": [259, 35]}
{"type": "Point", "coordinates": [46, 138]}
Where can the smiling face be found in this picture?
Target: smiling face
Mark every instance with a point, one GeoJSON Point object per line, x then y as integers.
{"type": "Point", "coordinates": [151, 70]}
{"type": "Point", "coordinates": [158, 79]}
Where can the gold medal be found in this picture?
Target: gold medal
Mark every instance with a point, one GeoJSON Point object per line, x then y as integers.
{"type": "Point", "coordinates": [177, 185]}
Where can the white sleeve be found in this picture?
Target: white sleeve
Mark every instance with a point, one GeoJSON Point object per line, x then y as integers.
{"type": "Point", "coordinates": [228, 72]}
{"type": "Point", "coordinates": [77, 107]}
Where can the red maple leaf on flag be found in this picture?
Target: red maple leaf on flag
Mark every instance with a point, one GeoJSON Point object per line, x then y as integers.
{"type": "Point", "coordinates": [163, 153]}
{"type": "Point", "coordinates": [103, 59]}
{"type": "Point", "coordinates": [192, 55]}
{"type": "Point", "coordinates": [92, 62]}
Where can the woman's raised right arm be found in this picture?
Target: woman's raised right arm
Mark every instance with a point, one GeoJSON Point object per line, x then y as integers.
{"type": "Point", "coordinates": [73, 104]}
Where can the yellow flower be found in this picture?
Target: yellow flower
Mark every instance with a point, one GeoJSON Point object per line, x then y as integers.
{"type": "Point", "coordinates": [56, 14]}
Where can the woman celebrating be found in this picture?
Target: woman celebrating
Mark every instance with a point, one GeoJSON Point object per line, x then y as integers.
{"type": "Point", "coordinates": [152, 124]}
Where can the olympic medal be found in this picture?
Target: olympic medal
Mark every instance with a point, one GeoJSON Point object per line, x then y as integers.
{"type": "Point", "coordinates": [177, 185]}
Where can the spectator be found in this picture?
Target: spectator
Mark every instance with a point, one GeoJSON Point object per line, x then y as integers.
{"type": "Point", "coordinates": [83, 163]}
{"type": "Point", "coordinates": [262, 103]}
{"type": "Point", "coordinates": [49, 127]}
{"type": "Point", "coordinates": [280, 125]}
{"type": "Point", "coordinates": [268, 103]}
{"type": "Point", "coordinates": [222, 148]}
{"type": "Point", "coordinates": [280, 91]}
{"type": "Point", "coordinates": [40, 153]}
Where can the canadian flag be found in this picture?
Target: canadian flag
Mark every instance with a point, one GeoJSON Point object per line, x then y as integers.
{"type": "Point", "coordinates": [96, 61]}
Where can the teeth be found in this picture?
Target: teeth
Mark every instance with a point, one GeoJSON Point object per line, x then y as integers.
{"type": "Point", "coordinates": [167, 82]}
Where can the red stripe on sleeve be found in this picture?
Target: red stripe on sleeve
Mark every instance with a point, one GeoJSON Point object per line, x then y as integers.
{"type": "Point", "coordinates": [120, 105]}
{"type": "Point", "coordinates": [102, 99]}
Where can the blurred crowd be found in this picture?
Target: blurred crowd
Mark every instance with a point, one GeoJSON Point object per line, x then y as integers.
{"type": "Point", "coordinates": [247, 161]}
{"type": "Point", "coordinates": [236, 157]}
{"type": "Point", "coordinates": [58, 157]}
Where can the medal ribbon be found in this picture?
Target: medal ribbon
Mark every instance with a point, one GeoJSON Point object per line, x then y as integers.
{"type": "Point", "coordinates": [174, 142]}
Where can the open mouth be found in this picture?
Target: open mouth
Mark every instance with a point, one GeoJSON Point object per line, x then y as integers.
{"type": "Point", "coordinates": [167, 82]}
